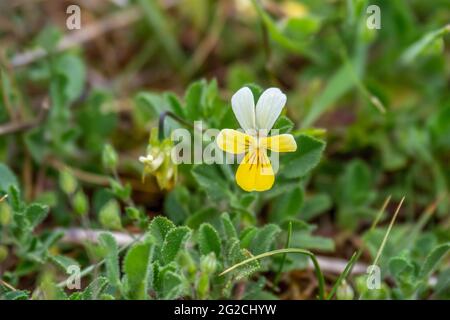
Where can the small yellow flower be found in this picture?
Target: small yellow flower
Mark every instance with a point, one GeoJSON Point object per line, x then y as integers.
{"type": "Point", "coordinates": [294, 9]}
{"type": "Point", "coordinates": [255, 172]}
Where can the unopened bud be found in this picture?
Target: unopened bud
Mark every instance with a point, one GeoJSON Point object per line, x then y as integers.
{"type": "Point", "coordinates": [109, 157]}
{"type": "Point", "coordinates": [208, 264]}
{"type": "Point", "coordinates": [67, 182]}
{"type": "Point", "coordinates": [5, 214]}
{"type": "Point", "coordinates": [109, 215]}
{"type": "Point", "coordinates": [345, 291]}
{"type": "Point", "coordinates": [80, 203]}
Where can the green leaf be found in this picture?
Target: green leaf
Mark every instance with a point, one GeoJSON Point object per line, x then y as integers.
{"type": "Point", "coordinates": [36, 213]}
{"type": "Point", "coordinates": [305, 240]}
{"type": "Point", "coordinates": [136, 267]}
{"type": "Point", "coordinates": [401, 267]}
{"type": "Point", "coordinates": [315, 206]}
{"type": "Point", "coordinates": [211, 179]}
{"type": "Point", "coordinates": [247, 236]}
{"type": "Point", "coordinates": [176, 204]}
{"type": "Point", "coordinates": [264, 238]}
{"type": "Point", "coordinates": [194, 99]}
{"type": "Point", "coordinates": [228, 226]}
{"type": "Point", "coordinates": [95, 289]}
{"type": "Point", "coordinates": [412, 52]}
{"type": "Point", "coordinates": [63, 262]}
{"type": "Point", "coordinates": [236, 254]}
{"type": "Point", "coordinates": [209, 240]}
{"type": "Point", "coordinates": [278, 36]}
{"type": "Point", "coordinates": [299, 163]}
{"type": "Point", "coordinates": [283, 125]}
{"type": "Point", "coordinates": [171, 286]}
{"type": "Point", "coordinates": [173, 243]}
{"type": "Point", "coordinates": [339, 84]}
{"type": "Point", "coordinates": [159, 25]}
{"type": "Point", "coordinates": [355, 183]}
{"type": "Point", "coordinates": [203, 215]}
{"type": "Point", "coordinates": [7, 178]}
{"type": "Point", "coordinates": [16, 295]}
{"type": "Point", "coordinates": [73, 69]}
{"type": "Point", "coordinates": [159, 228]}
{"type": "Point", "coordinates": [433, 259]}
{"type": "Point", "coordinates": [287, 205]}
{"type": "Point", "coordinates": [48, 38]}
{"type": "Point", "coordinates": [109, 245]}
{"type": "Point", "coordinates": [301, 28]}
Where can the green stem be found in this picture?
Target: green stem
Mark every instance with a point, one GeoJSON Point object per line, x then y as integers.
{"type": "Point", "coordinates": [318, 271]}
{"type": "Point", "coordinates": [344, 274]}
{"type": "Point", "coordinates": [163, 116]}
{"type": "Point", "coordinates": [91, 268]}
{"type": "Point", "coordinates": [283, 260]}
{"type": "Point", "coordinates": [355, 257]}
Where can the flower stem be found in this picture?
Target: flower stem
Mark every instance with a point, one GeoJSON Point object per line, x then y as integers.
{"type": "Point", "coordinates": [283, 260]}
{"type": "Point", "coordinates": [161, 122]}
{"type": "Point", "coordinates": [318, 271]}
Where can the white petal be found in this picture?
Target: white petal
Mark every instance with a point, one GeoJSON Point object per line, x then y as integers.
{"type": "Point", "coordinates": [269, 107]}
{"type": "Point", "coordinates": [243, 106]}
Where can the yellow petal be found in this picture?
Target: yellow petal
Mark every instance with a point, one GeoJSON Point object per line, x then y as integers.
{"type": "Point", "coordinates": [233, 141]}
{"type": "Point", "coordinates": [281, 143]}
{"type": "Point", "coordinates": [255, 172]}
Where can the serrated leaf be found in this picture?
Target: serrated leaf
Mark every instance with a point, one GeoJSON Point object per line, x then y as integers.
{"type": "Point", "coordinates": [308, 154]}
{"type": "Point", "coordinates": [158, 229]}
{"type": "Point", "coordinates": [209, 240]}
{"type": "Point", "coordinates": [109, 245]}
{"type": "Point", "coordinates": [136, 268]}
{"type": "Point", "coordinates": [264, 238]}
{"type": "Point", "coordinates": [433, 259]}
{"type": "Point", "coordinates": [173, 243]}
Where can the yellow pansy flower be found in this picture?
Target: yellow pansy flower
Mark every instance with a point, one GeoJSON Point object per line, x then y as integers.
{"type": "Point", "coordinates": [255, 172]}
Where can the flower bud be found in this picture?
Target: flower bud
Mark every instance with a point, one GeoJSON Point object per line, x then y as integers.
{"type": "Point", "coordinates": [345, 291]}
{"type": "Point", "coordinates": [203, 286]}
{"type": "Point", "coordinates": [5, 213]}
{"type": "Point", "coordinates": [80, 203]}
{"type": "Point", "coordinates": [109, 157]}
{"type": "Point", "coordinates": [67, 182]}
{"type": "Point", "coordinates": [208, 264]}
{"type": "Point", "coordinates": [133, 213]}
{"type": "Point", "coordinates": [109, 215]}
